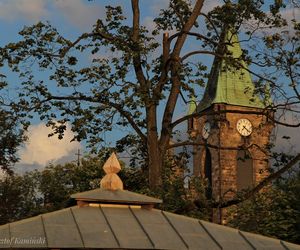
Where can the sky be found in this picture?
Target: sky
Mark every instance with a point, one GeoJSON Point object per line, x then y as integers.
{"type": "Point", "coordinates": [72, 17]}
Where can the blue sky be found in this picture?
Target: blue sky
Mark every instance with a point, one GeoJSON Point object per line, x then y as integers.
{"type": "Point", "coordinates": [71, 18]}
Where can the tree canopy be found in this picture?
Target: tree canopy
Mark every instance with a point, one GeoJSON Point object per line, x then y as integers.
{"type": "Point", "coordinates": [139, 83]}
{"type": "Point", "coordinates": [11, 137]}
{"type": "Point", "coordinates": [274, 212]}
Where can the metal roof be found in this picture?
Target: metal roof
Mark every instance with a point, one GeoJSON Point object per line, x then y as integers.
{"type": "Point", "coordinates": [115, 196]}
{"type": "Point", "coordinates": [127, 227]}
{"type": "Point", "coordinates": [228, 84]}
{"type": "Point", "coordinates": [119, 219]}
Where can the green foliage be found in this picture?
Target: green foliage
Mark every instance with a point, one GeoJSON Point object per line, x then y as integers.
{"type": "Point", "coordinates": [130, 77]}
{"type": "Point", "coordinates": [275, 212]}
{"type": "Point", "coordinates": [56, 183]}
{"type": "Point", "coordinates": [175, 16]}
{"type": "Point", "coordinates": [18, 198]}
{"type": "Point", "coordinates": [47, 190]}
{"type": "Point", "coordinates": [98, 96]}
{"type": "Point", "coordinates": [132, 144]}
{"type": "Point", "coordinates": [180, 194]}
{"type": "Point", "coordinates": [50, 189]}
{"type": "Point", "coordinates": [11, 137]}
{"type": "Point", "coordinates": [185, 199]}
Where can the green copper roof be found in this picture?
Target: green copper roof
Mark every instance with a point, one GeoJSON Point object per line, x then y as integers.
{"type": "Point", "coordinates": [192, 105]}
{"type": "Point", "coordinates": [228, 84]}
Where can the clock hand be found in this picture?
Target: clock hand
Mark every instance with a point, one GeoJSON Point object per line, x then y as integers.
{"type": "Point", "coordinates": [246, 129]}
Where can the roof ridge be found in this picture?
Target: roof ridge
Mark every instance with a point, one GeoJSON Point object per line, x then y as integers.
{"type": "Point", "coordinates": [141, 225]}
{"type": "Point", "coordinates": [210, 235]}
{"type": "Point", "coordinates": [176, 231]}
{"type": "Point", "coordinates": [77, 226]}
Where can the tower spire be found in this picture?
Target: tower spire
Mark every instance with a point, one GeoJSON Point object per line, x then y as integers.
{"type": "Point", "coordinates": [228, 83]}
{"type": "Point", "coordinates": [192, 105]}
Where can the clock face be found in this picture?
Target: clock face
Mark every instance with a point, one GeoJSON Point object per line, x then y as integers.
{"type": "Point", "coordinates": [244, 127]}
{"type": "Point", "coordinates": [206, 130]}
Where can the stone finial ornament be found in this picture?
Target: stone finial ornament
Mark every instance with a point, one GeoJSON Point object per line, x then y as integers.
{"type": "Point", "coordinates": [111, 181]}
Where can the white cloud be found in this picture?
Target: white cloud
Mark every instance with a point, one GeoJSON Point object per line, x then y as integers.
{"type": "Point", "coordinates": [209, 5]}
{"type": "Point", "coordinates": [149, 23]}
{"type": "Point", "coordinates": [288, 14]}
{"type": "Point", "coordinates": [42, 149]}
{"type": "Point", "coordinates": [79, 13]}
{"type": "Point", "coordinates": [32, 10]}
{"type": "Point", "coordinates": [291, 13]}
{"type": "Point", "coordinates": [157, 5]}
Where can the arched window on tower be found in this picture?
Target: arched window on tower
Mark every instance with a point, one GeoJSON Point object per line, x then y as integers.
{"type": "Point", "coordinates": [208, 173]}
{"type": "Point", "coordinates": [244, 170]}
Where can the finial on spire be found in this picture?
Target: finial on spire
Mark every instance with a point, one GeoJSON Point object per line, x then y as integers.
{"type": "Point", "coordinates": [111, 181]}
{"type": "Point", "coordinates": [192, 105]}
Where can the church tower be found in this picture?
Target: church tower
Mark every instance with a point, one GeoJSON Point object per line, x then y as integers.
{"type": "Point", "coordinates": [233, 129]}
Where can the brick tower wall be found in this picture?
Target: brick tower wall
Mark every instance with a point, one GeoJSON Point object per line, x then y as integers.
{"type": "Point", "coordinates": [225, 137]}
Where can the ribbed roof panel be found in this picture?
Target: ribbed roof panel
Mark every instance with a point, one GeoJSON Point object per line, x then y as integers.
{"type": "Point", "coordinates": [230, 84]}
{"type": "Point", "coordinates": [94, 229]}
{"type": "Point", "coordinates": [113, 227]}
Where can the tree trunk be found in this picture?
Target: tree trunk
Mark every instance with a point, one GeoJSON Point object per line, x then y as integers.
{"type": "Point", "coordinates": [155, 157]}
{"type": "Point", "coordinates": [155, 163]}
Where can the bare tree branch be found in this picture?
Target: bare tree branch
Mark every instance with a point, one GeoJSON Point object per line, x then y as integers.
{"type": "Point", "coordinates": [135, 38]}
{"type": "Point", "coordinates": [211, 23]}
{"type": "Point", "coordinates": [199, 36]}
{"type": "Point", "coordinates": [193, 143]}
{"type": "Point", "coordinates": [266, 112]}
{"type": "Point", "coordinates": [165, 67]}
{"type": "Point", "coordinates": [196, 53]}
{"type": "Point", "coordinates": [175, 65]}
{"type": "Point", "coordinates": [259, 187]}
{"type": "Point", "coordinates": [116, 106]}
